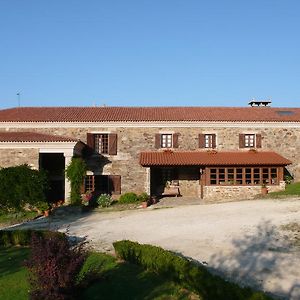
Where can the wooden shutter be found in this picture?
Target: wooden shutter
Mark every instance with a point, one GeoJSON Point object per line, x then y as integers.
{"type": "Point", "coordinates": [201, 140]}
{"type": "Point", "coordinates": [175, 140]}
{"type": "Point", "coordinates": [157, 141]}
{"type": "Point", "coordinates": [242, 141]}
{"type": "Point", "coordinates": [112, 144]}
{"type": "Point", "coordinates": [90, 141]}
{"type": "Point", "coordinates": [115, 180]}
{"type": "Point", "coordinates": [258, 141]}
{"type": "Point", "coordinates": [214, 141]}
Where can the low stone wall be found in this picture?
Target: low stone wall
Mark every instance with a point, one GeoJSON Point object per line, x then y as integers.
{"type": "Point", "coordinates": [15, 157]}
{"type": "Point", "coordinates": [226, 193]}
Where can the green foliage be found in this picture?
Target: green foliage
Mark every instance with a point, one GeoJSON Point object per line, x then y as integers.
{"type": "Point", "coordinates": [10, 218]}
{"type": "Point", "coordinates": [292, 189]}
{"type": "Point", "coordinates": [179, 269]}
{"type": "Point", "coordinates": [104, 200]}
{"type": "Point", "coordinates": [143, 197]}
{"type": "Point", "coordinates": [288, 179]}
{"type": "Point", "coordinates": [75, 173]}
{"type": "Point", "coordinates": [21, 185]}
{"type": "Point", "coordinates": [129, 198]}
{"type": "Point", "coordinates": [21, 237]}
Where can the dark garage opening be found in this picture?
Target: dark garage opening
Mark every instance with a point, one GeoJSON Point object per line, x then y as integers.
{"type": "Point", "coordinates": [54, 165]}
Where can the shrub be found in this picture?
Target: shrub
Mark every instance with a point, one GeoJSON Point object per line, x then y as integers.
{"type": "Point", "coordinates": [53, 267]}
{"type": "Point", "coordinates": [195, 277]}
{"type": "Point", "coordinates": [21, 237]}
{"type": "Point", "coordinates": [104, 200]}
{"type": "Point", "coordinates": [21, 185]}
{"type": "Point", "coordinates": [143, 197]}
{"type": "Point", "coordinates": [129, 198]}
{"type": "Point", "coordinates": [76, 172]}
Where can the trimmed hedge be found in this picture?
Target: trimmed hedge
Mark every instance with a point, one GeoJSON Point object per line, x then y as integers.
{"type": "Point", "coordinates": [21, 237]}
{"type": "Point", "coordinates": [187, 273]}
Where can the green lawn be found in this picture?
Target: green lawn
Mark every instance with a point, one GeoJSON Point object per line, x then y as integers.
{"type": "Point", "coordinates": [121, 280]}
{"type": "Point", "coordinates": [292, 189]}
{"type": "Point", "coordinates": [17, 217]}
{"type": "Point", "coordinates": [13, 283]}
{"type": "Point", "coordinates": [114, 280]}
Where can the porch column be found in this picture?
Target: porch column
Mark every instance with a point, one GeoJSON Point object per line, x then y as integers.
{"type": "Point", "coordinates": [148, 181]}
{"type": "Point", "coordinates": [68, 157]}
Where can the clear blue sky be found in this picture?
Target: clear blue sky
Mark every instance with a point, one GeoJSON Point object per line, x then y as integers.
{"type": "Point", "coordinates": [149, 52]}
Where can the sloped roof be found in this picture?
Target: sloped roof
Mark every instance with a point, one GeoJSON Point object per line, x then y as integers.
{"type": "Point", "coordinates": [149, 114]}
{"type": "Point", "coordinates": [17, 137]}
{"type": "Point", "coordinates": [212, 158]}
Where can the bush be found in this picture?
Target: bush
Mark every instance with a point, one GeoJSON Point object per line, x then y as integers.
{"type": "Point", "coordinates": [192, 276]}
{"type": "Point", "coordinates": [53, 267]}
{"type": "Point", "coordinates": [76, 172]}
{"type": "Point", "coordinates": [104, 200]}
{"type": "Point", "coordinates": [143, 197]}
{"type": "Point", "coordinates": [21, 237]}
{"type": "Point", "coordinates": [21, 185]}
{"type": "Point", "coordinates": [129, 198]}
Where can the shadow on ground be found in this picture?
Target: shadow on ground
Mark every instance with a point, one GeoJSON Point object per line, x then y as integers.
{"type": "Point", "coordinates": [261, 260]}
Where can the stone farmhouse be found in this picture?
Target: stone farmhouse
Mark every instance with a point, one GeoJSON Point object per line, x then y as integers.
{"type": "Point", "coordinates": [213, 153]}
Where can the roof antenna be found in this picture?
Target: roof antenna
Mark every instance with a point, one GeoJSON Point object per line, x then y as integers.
{"type": "Point", "coordinates": [19, 99]}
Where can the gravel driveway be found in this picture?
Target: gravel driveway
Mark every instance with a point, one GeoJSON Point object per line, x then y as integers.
{"type": "Point", "coordinates": [242, 240]}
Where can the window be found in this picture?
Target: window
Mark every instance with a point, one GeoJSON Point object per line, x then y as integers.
{"type": "Point", "coordinates": [166, 141]}
{"type": "Point", "coordinates": [250, 140]}
{"type": "Point", "coordinates": [109, 184]}
{"type": "Point", "coordinates": [101, 143]}
{"type": "Point", "coordinates": [207, 141]}
{"type": "Point", "coordinates": [244, 176]}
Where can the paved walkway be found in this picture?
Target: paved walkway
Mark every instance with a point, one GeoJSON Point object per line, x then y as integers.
{"type": "Point", "coordinates": [242, 240]}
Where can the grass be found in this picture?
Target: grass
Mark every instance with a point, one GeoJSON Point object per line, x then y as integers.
{"type": "Point", "coordinates": [13, 283]}
{"type": "Point", "coordinates": [111, 279]}
{"type": "Point", "coordinates": [292, 189]}
{"type": "Point", "coordinates": [16, 217]}
{"type": "Point", "coordinates": [120, 280]}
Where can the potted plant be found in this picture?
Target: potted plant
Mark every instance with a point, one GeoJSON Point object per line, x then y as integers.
{"type": "Point", "coordinates": [264, 189]}
{"type": "Point", "coordinates": [86, 198]}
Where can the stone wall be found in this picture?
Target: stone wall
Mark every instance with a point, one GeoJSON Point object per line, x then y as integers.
{"type": "Point", "coordinates": [15, 157]}
{"type": "Point", "coordinates": [226, 193]}
{"type": "Point", "coordinates": [131, 141]}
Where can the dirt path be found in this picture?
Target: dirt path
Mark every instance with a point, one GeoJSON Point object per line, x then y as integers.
{"type": "Point", "coordinates": [239, 239]}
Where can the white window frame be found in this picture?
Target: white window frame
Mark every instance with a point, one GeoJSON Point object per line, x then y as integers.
{"type": "Point", "coordinates": [166, 140]}
{"type": "Point", "coordinates": [249, 140]}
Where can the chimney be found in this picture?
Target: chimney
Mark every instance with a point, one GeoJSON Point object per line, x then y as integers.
{"type": "Point", "coordinates": [264, 103]}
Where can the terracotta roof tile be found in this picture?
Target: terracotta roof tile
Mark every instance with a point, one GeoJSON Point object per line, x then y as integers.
{"type": "Point", "coordinates": [148, 114]}
{"type": "Point", "coordinates": [16, 137]}
{"type": "Point", "coordinates": [211, 158]}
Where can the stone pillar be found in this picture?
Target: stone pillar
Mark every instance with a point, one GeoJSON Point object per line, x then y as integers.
{"type": "Point", "coordinates": [148, 181]}
{"type": "Point", "coordinates": [68, 158]}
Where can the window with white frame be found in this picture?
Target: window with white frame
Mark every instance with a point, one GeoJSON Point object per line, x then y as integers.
{"type": "Point", "coordinates": [208, 140]}
{"type": "Point", "coordinates": [166, 140]}
{"type": "Point", "coordinates": [249, 140]}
